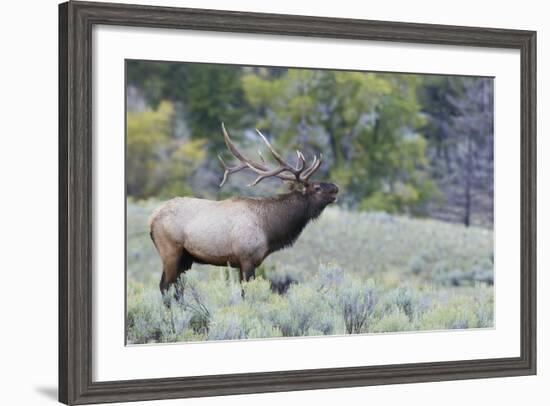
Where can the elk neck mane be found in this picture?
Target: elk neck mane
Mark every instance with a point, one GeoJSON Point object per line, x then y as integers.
{"type": "Point", "coordinates": [284, 217]}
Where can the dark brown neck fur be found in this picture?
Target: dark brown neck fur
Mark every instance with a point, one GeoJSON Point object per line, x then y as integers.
{"type": "Point", "coordinates": [284, 217]}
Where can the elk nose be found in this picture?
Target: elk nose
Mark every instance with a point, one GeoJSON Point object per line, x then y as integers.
{"type": "Point", "coordinates": [335, 188]}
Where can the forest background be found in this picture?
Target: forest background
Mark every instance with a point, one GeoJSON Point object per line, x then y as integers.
{"type": "Point", "coordinates": [413, 144]}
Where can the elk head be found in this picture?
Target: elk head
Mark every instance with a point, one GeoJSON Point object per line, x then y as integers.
{"type": "Point", "coordinates": [319, 194]}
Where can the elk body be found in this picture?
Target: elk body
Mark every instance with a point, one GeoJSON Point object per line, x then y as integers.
{"type": "Point", "coordinates": [240, 231]}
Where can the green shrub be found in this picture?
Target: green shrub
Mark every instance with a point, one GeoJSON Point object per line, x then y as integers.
{"type": "Point", "coordinates": [350, 272]}
{"type": "Point", "coordinates": [281, 277]}
{"type": "Point", "coordinates": [396, 321]}
{"type": "Point", "coordinates": [484, 304]}
{"type": "Point", "coordinates": [239, 322]}
{"type": "Point", "coordinates": [417, 264]}
{"type": "Point", "coordinates": [227, 327]}
{"type": "Point", "coordinates": [257, 291]}
{"type": "Point", "coordinates": [457, 314]}
{"type": "Point", "coordinates": [357, 301]}
{"type": "Point", "coordinates": [483, 272]}
{"type": "Point", "coordinates": [149, 320]}
{"type": "Point", "coordinates": [406, 302]}
{"type": "Point", "coordinates": [194, 299]}
{"type": "Point", "coordinates": [143, 320]}
{"type": "Point", "coordinates": [303, 311]}
{"type": "Point", "coordinates": [329, 277]}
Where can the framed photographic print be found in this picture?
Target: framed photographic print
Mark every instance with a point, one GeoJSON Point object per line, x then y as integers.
{"type": "Point", "coordinates": [258, 202]}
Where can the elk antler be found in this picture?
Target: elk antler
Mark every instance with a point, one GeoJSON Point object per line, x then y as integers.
{"type": "Point", "coordinates": [298, 173]}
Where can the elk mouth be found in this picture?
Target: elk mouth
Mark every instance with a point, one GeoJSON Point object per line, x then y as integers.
{"type": "Point", "coordinates": [333, 192]}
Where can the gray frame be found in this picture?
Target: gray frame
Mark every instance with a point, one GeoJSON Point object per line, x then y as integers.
{"type": "Point", "coordinates": [76, 20]}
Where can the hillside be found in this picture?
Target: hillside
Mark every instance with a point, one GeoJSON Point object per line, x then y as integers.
{"type": "Point", "coordinates": [349, 272]}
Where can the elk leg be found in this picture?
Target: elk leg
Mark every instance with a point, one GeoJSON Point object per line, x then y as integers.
{"type": "Point", "coordinates": [248, 271]}
{"type": "Point", "coordinates": [170, 270]}
{"type": "Point", "coordinates": [184, 264]}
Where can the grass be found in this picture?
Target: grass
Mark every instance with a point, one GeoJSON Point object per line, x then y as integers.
{"type": "Point", "coordinates": [348, 273]}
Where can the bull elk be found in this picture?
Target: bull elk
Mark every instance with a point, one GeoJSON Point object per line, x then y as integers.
{"type": "Point", "coordinates": [240, 231]}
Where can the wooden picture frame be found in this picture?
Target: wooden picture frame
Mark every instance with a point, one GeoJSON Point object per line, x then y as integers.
{"type": "Point", "coordinates": [76, 20]}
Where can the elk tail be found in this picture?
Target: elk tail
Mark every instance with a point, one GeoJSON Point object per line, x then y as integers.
{"type": "Point", "coordinates": [152, 238]}
{"type": "Point", "coordinates": [152, 219]}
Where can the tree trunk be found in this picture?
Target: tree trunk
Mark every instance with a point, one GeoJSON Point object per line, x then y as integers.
{"type": "Point", "coordinates": [468, 186]}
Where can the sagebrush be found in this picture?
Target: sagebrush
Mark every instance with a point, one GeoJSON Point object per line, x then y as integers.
{"type": "Point", "coordinates": [349, 273]}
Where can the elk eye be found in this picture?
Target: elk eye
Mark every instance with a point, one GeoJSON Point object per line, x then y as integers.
{"type": "Point", "coordinates": [317, 188]}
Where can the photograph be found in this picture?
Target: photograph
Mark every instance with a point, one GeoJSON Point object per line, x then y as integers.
{"type": "Point", "coordinates": [269, 202]}
{"type": "Point", "coordinates": [254, 201]}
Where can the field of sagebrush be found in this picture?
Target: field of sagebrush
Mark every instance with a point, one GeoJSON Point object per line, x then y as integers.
{"type": "Point", "coordinates": [348, 273]}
